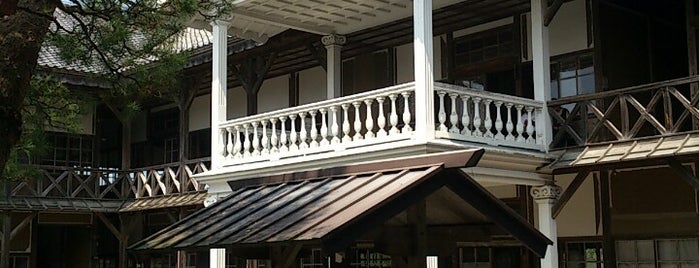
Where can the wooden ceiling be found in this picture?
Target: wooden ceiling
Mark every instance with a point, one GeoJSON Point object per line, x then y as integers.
{"type": "Point", "coordinates": [294, 49]}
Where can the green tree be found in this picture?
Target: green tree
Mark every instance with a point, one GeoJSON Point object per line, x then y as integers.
{"type": "Point", "coordinates": [127, 43]}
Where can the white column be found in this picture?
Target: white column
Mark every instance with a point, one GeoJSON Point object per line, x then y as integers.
{"type": "Point", "coordinates": [545, 197]}
{"type": "Point", "coordinates": [217, 258]}
{"type": "Point", "coordinates": [218, 89]}
{"type": "Point", "coordinates": [333, 46]}
{"type": "Point", "coordinates": [542, 69]}
{"type": "Point", "coordinates": [424, 71]}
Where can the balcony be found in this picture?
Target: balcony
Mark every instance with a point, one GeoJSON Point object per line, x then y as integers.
{"type": "Point", "coordinates": [379, 120]}
{"type": "Point", "coordinates": [95, 189]}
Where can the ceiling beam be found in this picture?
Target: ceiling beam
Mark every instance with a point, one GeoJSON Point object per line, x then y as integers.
{"type": "Point", "coordinates": [684, 173]}
{"type": "Point", "coordinates": [281, 22]}
{"type": "Point", "coordinates": [551, 11]}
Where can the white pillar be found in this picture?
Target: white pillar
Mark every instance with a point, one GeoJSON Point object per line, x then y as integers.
{"type": "Point", "coordinates": [333, 46]}
{"type": "Point", "coordinates": [545, 197]}
{"type": "Point", "coordinates": [542, 69]}
{"type": "Point", "coordinates": [217, 258]}
{"type": "Point", "coordinates": [424, 71]}
{"type": "Point", "coordinates": [218, 89]}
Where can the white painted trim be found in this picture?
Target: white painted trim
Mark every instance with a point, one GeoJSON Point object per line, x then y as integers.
{"type": "Point", "coordinates": [218, 88]}
{"type": "Point", "coordinates": [424, 69]}
{"type": "Point", "coordinates": [541, 67]}
{"type": "Point", "coordinates": [484, 27]}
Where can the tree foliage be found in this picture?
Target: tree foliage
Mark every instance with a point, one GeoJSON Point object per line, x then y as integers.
{"type": "Point", "coordinates": [129, 44]}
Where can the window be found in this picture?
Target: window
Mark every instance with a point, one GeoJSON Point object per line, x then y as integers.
{"type": "Point", "coordinates": [582, 254]}
{"type": "Point", "coordinates": [572, 75]}
{"type": "Point", "coordinates": [474, 257]}
{"type": "Point", "coordinates": [66, 149]}
{"type": "Point", "coordinates": [200, 143]}
{"type": "Point", "coordinates": [315, 259]}
{"type": "Point", "coordinates": [679, 253]}
{"type": "Point", "coordinates": [163, 134]}
{"type": "Point", "coordinates": [19, 261]}
{"type": "Point", "coordinates": [486, 60]}
{"type": "Point", "coordinates": [368, 71]}
{"type": "Point", "coordinates": [172, 150]}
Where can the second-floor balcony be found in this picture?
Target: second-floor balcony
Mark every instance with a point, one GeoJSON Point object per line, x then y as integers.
{"type": "Point", "coordinates": [380, 120]}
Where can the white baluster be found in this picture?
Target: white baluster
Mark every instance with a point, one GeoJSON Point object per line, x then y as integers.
{"type": "Point", "coordinates": [509, 126]}
{"type": "Point", "coordinates": [520, 123]}
{"type": "Point", "coordinates": [488, 121]}
{"type": "Point", "coordinates": [284, 137]}
{"type": "Point", "coordinates": [530, 125]}
{"type": "Point", "coordinates": [498, 121]}
{"type": "Point", "coordinates": [381, 120]}
{"type": "Point", "coordinates": [335, 128]}
{"type": "Point", "coordinates": [393, 118]}
{"type": "Point", "coordinates": [246, 144]}
{"type": "Point", "coordinates": [465, 117]}
{"type": "Point", "coordinates": [229, 143]}
{"type": "Point", "coordinates": [255, 140]}
{"type": "Point", "coordinates": [477, 117]}
{"type": "Point", "coordinates": [265, 139]}
{"type": "Point", "coordinates": [274, 139]}
{"type": "Point", "coordinates": [222, 142]}
{"type": "Point", "coordinates": [314, 130]}
{"type": "Point", "coordinates": [454, 116]}
{"type": "Point", "coordinates": [345, 123]}
{"type": "Point", "coordinates": [323, 127]}
{"type": "Point", "coordinates": [539, 135]}
{"type": "Point", "coordinates": [293, 146]}
{"type": "Point", "coordinates": [238, 144]}
{"type": "Point", "coordinates": [357, 122]}
{"type": "Point", "coordinates": [369, 120]}
{"type": "Point", "coordinates": [406, 113]}
{"type": "Point", "coordinates": [303, 141]}
{"type": "Point", "coordinates": [442, 116]}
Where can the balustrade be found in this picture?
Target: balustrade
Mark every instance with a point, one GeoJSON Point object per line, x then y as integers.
{"type": "Point", "coordinates": [328, 125]}
{"type": "Point", "coordinates": [486, 117]}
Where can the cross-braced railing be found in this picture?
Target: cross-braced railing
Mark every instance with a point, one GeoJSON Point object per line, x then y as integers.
{"type": "Point", "coordinates": [659, 109]}
{"type": "Point", "coordinates": [109, 184]}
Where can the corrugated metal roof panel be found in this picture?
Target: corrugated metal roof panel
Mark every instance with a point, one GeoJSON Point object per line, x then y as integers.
{"type": "Point", "coordinates": [287, 208]}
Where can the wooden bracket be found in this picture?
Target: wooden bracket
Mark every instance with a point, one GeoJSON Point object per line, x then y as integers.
{"type": "Point", "coordinates": [551, 11]}
{"type": "Point", "coordinates": [684, 173]}
{"type": "Point", "coordinates": [251, 73]}
{"type": "Point", "coordinates": [568, 193]}
{"type": "Point", "coordinates": [318, 56]}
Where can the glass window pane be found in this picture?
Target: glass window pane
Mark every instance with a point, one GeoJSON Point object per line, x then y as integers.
{"type": "Point", "coordinates": [646, 265]}
{"type": "Point", "coordinates": [586, 84]}
{"type": "Point", "coordinates": [689, 249]}
{"type": "Point", "coordinates": [482, 254]}
{"type": "Point", "coordinates": [667, 250]}
{"type": "Point", "coordinates": [468, 255]}
{"type": "Point", "coordinates": [669, 265]}
{"type": "Point", "coordinates": [575, 252]}
{"type": "Point", "coordinates": [568, 87]}
{"type": "Point", "coordinates": [625, 251]}
{"type": "Point", "coordinates": [645, 250]}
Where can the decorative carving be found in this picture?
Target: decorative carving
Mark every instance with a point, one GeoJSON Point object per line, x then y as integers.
{"type": "Point", "coordinates": [210, 200]}
{"type": "Point", "coordinates": [333, 40]}
{"type": "Point", "coordinates": [548, 191]}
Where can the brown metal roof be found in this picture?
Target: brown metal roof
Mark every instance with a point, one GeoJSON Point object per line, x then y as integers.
{"type": "Point", "coordinates": [332, 207]}
{"type": "Point", "coordinates": [178, 200]}
{"type": "Point", "coordinates": [631, 153]}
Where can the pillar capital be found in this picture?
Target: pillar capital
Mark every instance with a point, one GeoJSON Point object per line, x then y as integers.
{"type": "Point", "coordinates": [548, 192]}
{"type": "Point", "coordinates": [333, 40]}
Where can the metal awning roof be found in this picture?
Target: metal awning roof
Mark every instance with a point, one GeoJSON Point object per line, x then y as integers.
{"type": "Point", "coordinates": [59, 204]}
{"type": "Point", "coordinates": [330, 208]}
{"type": "Point", "coordinates": [176, 200]}
{"type": "Point", "coordinates": [628, 153]}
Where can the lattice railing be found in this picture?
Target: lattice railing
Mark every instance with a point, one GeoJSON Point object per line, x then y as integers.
{"type": "Point", "coordinates": [659, 109]}
{"type": "Point", "coordinates": [109, 184]}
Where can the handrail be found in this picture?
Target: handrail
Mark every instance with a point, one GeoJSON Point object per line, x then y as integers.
{"type": "Point", "coordinates": [626, 90]}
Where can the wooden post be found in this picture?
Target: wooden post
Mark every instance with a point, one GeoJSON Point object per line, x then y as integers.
{"type": "Point", "coordinates": [293, 89]}
{"type": "Point", "coordinates": [691, 50]}
{"type": "Point", "coordinates": [608, 244]}
{"type": "Point", "coordinates": [545, 197]}
{"type": "Point", "coordinates": [417, 218]}
{"type": "Point", "coordinates": [6, 239]}
{"type": "Point", "coordinates": [184, 103]}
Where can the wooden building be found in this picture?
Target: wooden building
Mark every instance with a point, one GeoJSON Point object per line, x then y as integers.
{"type": "Point", "coordinates": [331, 129]}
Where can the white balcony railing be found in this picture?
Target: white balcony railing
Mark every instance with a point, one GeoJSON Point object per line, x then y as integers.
{"type": "Point", "coordinates": [378, 117]}
{"type": "Point", "coordinates": [486, 117]}
{"type": "Point", "coordinates": [363, 119]}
